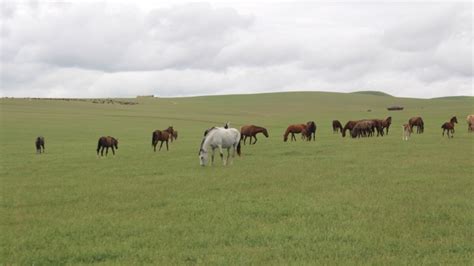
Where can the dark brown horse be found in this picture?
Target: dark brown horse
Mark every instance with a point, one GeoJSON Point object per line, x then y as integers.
{"type": "Point", "coordinates": [106, 143]}
{"type": "Point", "coordinates": [378, 125]}
{"type": "Point", "coordinates": [363, 128]}
{"type": "Point", "coordinates": [336, 126]}
{"type": "Point", "coordinates": [386, 123]}
{"type": "Point", "coordinates": [39, 143]}
{"type": "Point", "coordinates": [161, 135]}
{"type": "Point", "coordinates": [310, 131]}
{"type": "Point", "coordinates": [252, 131]}
{"type": "Point", "coordinates": [449, 126]}
{"type": "Point", "coordinates": [294, 129]}
{"type": "Point", "coordinates": [418, 122]}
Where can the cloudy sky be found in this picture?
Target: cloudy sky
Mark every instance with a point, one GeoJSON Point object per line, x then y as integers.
{"type": "Point", "coordinates": [181, 48]}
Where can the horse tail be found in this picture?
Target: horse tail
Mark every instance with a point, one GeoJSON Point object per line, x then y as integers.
{"type": "Point", "coordinates": [152, 138]}
{"type": "Point", "coordinates": [98, 146]}
{"type": "Point", "coordinates": [238, 149]}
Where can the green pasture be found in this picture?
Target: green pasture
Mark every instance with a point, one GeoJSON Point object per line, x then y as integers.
{"type": "Point", "coordinates": [337, 200]}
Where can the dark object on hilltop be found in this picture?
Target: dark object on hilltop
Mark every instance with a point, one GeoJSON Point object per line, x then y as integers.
{"type": "Point", "coordinates": [39, 144]}
{"type": "Point", "coordinates": [395, 108]}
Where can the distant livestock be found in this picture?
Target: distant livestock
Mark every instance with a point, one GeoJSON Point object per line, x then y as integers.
{"type": "Point", "coordinates": [417, 122]}
{"type": "Point", "coordinates": [39, 143]}
{"type": "Point", "coordinates": [407, 130]}
{"type": "Point", "coordinates": [336, 126]}
{"type": "Point", "coordinates": [163, 136]}
{"type": "Point", "coordinates": [470, 123]}
{"type": "Point", "coordinates": [252, 131]}
{"type": "Point", "coordinates": [107, 142]}
{"type": "Point", "coordinates": [449, 126]}
{"type": "Point", "coordinates": [294, 129]}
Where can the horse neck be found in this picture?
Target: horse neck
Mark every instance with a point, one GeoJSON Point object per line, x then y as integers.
{"type": "Point", "coordinates": [287, 132]}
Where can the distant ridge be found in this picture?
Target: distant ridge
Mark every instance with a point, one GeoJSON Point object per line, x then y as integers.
{"type": "Point", "coordinates": [375, 93]}
{"type": "Point", "coordinates": [452, 98]}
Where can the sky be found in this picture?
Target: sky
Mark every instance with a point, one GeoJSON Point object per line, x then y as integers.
{"type": "Point", "coordinates": [178, 48]}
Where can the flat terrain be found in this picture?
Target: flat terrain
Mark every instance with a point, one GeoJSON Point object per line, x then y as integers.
{"type": "Point", "coordinates": [334, 201]}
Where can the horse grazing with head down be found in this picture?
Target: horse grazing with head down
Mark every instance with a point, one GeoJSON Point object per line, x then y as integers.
{"type": "Point", "coordinates": [418, 122]}
{"type": "Point", "coordinates": [252, 131]}
{"type": "Point", "coordinates": [174, 135]}
{"type": "Point", "coordinates": [106, 143]}
{"type": "Point", "coordinates": [163, 136]}
{"type": "Point", "coordinates": [310, 131]}
{"type": "Point", "coordinates": [219, 138]}
{"type": "Point", "coordinates": [449, 126]}
{"type": "Point", "coordinates": [294, 129]}
{"type": "Point", "coordinates": [336, 126]}
{"type": "Point", "coordinates": [349, 126]}
{"type": "Point", "coordinates": [39, 143]}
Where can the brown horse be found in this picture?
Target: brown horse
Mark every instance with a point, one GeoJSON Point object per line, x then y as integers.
{"type": "Point", "coordinates": [386, 123]}
{"type": "Point", "coordinates": [294, 129]}
{"type": "Point", "coordinates": [163, 136]}
{"type": "Point", "coordinates": [310, 131]}
{"type": "Point", "coordinates": [449, 126]}
{"type": "Point", "coordinates": [336, 126]}
{"type": "Point", "coordinates": [349, 126]}
{"type": "Point", "coordinates": [39, 143]}
{"type": "Point", "coordinates": [252, 131]}
{"type": "Point", "coordinates": [470, 123]}
{"type": "Point", "coordinates": [363, 128]}
{"type": "Point", "coordinates": [418, 122]}
{"type": "Point", "coordinates": [107, 142]}
{"type": "Point", "coordinates": [378, 125]}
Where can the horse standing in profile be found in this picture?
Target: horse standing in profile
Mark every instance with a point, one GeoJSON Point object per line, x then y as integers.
{"type": "Point", "coordinates": [163, 136]}
{"type": "Point", "coordinates": [294, 129]}
{"type": "Point", "coordinates": [106, 143]}
{"type": "Point", "coordinates": [470, 123]}
{"type": "Point", "coordinates": [219, 138]}
{"type": "Point", "coordinates": [310, 131]}
{"type": "Point", "coordinates": [252, 131]}
{"type": "Point", "coordinates": [39, 143]}
{"type": "Point", "coordinates": [407, 130]}
{"type": "Point", "coordinates": [336, 126]}
{"type": "Point", "coordinates": [449, 126]}
{"type": "Point", "coordinates": [418, 122]}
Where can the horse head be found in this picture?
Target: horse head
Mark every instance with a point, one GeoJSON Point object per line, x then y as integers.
{"type": "Point", "coordinates": [454, 119]}
{"type": "Point", "coordinates": [116, 143]}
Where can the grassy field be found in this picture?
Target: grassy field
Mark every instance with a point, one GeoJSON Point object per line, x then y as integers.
{"type": "Point", "coordinates": [333, 201]}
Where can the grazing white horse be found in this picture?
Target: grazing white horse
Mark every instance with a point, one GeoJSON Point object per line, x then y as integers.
{"type": "Point", "coordinates": [221, 138]}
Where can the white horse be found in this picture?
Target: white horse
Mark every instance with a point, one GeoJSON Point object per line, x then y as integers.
{"type": "Point", "coordinates": [222, 138]}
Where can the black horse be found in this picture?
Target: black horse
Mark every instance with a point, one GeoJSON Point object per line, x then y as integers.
{"type": "Point", "coordinates": [39, 144]}
{"type": "Point", "coordinates": [106, 142]}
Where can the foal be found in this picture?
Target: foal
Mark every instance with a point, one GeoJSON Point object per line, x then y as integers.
{"type": "Point", "coordinates": [407, 130]}
{"type": "Point", "coordinates": [449, 126]}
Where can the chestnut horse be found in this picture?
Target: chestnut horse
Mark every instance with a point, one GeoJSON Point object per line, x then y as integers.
{"type": "Point", "coordinates": [336, 126]}
{"type": "Point", "coordinates": [107, 142]}
{"type": "Point", "coordinates": [418, 122]}
{"type": "Point", "coordinates": [39, 144]}
{"type": "Point", "coordinates": [449, 126]}
{"type": "Point", "coordinates": [294, 129]}
{"type": "Point", "coordinates": [252, 131]}
{"type": "Point", "coordinates": [162, 136]}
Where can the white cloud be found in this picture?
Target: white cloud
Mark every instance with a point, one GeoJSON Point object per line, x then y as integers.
{"type": "Point", "coordinates": [105, 49]}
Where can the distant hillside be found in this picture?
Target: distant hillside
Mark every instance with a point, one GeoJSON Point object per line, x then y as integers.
{"type": "Point", "coordinates": [375, 93]}
{"type": "Point", "coordinates": [453, 98]}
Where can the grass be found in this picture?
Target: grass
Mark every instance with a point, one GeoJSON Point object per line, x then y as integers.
{"type": "Point", "coordinates": [333, 201]}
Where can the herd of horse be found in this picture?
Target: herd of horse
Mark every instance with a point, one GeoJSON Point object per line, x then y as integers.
{"type": "Point", "coordinates": [230, 138]}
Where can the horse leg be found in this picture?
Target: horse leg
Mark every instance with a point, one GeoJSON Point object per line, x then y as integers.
{"type": "Point", "coordinates": [113, 150]}
{"type": "Point", "coordinates": [154, 146]}
{"type": "Point", "coordinates": [245, 139]}
{"type": "Point", "coordinates": [212, 156]}
{"type": "Point", "coordinates": [167, 146]}
{"type": "Point", "coordinates": [293, 136]}
{"type": "Point", "coordinates": [160, 146]}
{"type": "Point", "coordinates": [255, 139]}
{"type": "Point", "coordinates": [221, 152]}
{"type": "Point", "coordinates": [102, 151]}
{"type": "Point", "coordinates": [106, 151]}
{"type": "Point", "coordinates": [228, 155]}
